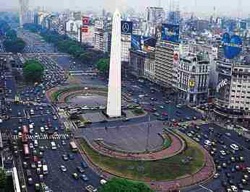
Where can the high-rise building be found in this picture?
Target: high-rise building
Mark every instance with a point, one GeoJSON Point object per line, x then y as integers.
{"type": "Point", "coordinates": [114, 86]}
{"type": "Point", "coordinates": [23, 11]}
{"type": "Point", "coordinates": [126, 45]}
{"type": "Point", "coordinates": [164, 60]}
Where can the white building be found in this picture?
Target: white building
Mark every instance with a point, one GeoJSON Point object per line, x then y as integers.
{"type": "Point", "coordinates": [99, 35]}
{"type": "Point", "coordinates": [73, 26]}
{"type": "Point", "coordinates": [126, 45]}
{"type": "Point", "coordinates": [193, 78]}
{"type": "Point", "coordinates": [240, 88]}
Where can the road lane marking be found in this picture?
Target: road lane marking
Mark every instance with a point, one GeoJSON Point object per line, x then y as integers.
{"type": "Point", "coordinates": [206, 188]}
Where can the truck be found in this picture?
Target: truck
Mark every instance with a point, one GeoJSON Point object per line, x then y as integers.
{"type": "Point", "coordinates": [45, 169]}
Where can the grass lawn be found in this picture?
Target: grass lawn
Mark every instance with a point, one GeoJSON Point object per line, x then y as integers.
{"type": "Point", "coordinates": [165, 169]}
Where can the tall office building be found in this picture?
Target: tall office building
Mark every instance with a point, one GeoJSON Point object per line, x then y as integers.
{"type": "Point", "coordinates": [114, 87]}
{"type": "Point", "coordinates": [23, 11]}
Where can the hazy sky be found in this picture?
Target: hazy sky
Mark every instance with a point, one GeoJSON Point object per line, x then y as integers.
{"type": "Point", "coordinates": [227, 7]}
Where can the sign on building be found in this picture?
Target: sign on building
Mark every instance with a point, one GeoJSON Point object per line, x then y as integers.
{"type": "Point", "coordinates": [232, 45]}
{"type": "Point", "coordinates": [170, 32]}
{"type": "Point", "coordinates": [85, 20]}
{"type": "Point", "coordinates": [126, 27]}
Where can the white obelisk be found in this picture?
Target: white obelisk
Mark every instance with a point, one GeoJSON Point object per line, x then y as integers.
{"type": "Point", "coordinates": [114, 86]}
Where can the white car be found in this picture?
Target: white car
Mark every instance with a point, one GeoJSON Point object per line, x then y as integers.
{"type": "Point", "coordinates": [42, 129]}
{"type": "Point", "coordinates": [63, 168]}
{"type": "Point", "coordinates": [234, 147]}
{"type": "Point", "coordinates": [222, 152]}
{"type": "Point", "coordinates": [207, 142]}
{"type": "Point", "coordinates": [39, 164]}
{"type": "Point", "coordinates": [234, 188]}
{"type": "Point", "coordinates": [31, 146]}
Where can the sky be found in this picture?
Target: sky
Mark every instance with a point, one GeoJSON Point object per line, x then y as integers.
{"type": "Point", "coordinates": [225, 7]}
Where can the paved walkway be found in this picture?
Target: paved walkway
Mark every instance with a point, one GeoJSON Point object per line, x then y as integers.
{"type": "Point", "coordinates": [177, 146]}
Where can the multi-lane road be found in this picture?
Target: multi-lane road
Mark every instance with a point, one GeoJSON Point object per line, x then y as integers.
{"type": "Point", "coordinates": [148, 95]}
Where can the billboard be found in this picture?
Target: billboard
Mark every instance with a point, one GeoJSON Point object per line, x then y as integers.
{"type": "Point", "coordinates": [85, 29]}
{"type": "Point", "coordinates": [126, 27]}
{"type": "Point", "coordinates": [85, 20]}
{"type": "Point", "coordinates": [148, 43]}
{"type": "Point", "coordinates": [136, 42]}
{"type": "Point", "coordinates": [232, 45]}
{"type": "Point", "coordinates": [170, 32]}
{"type": "Point", "coordinates": [243, 25]}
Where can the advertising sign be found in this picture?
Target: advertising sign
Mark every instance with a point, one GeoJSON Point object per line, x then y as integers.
{"type": "Point", "coordinates": [243, 25]}
{"type": "Point", "coordinates": [85, 29]}
{"type": "Point", "coordinates": [148, 43]}
{"type": "Point", "coordinates": [136, 42]}
{"type": "Point", "coordinates": [170, 32]}
{"type": "Point", "coordinates": [85, 20]}
{"type": "Point", "coordinates": [232, 46]}
{"type": "Point", "coordinates": [126, 27]}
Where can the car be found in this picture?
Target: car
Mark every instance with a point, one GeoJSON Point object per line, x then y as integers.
{"type": "Point", "coordinates": [71, 156]}
{"type": "Point", "coordinates": [38, 170]}
{"type": "Point", "coordinates": [84, 177]}
{"type": "Point", "coordinates": [80, 169]}
{"type": "Point", "coordinates": [234, 147]}
{"type": "Point", "coordinates": [42, 129]}
{"type": "Point", "coordinates": [33, 165]}
{"type": "Point", "coordinates": [63, 142]}
{"type": "Point", "coordinates": [30, 181]}
{"type": "Point", "coordinates": [31, 145]}
{"type": "Point", "coordinates": [234, 188]}
{"type": "Point", "coordinates": [41, 178]}
{"type": "Point", "coordinates": [84, 165]}
{"type": "Point", "coordinates": [207, 142]}
{"type": "Point", "coordinates": [55, 117]}
{"type": "Point", "coordinates": [39, 164]}
{"type": "Point", "coordinates": [224, 165]}
{"type": "Point", "coordinates": [222, 152]}
{"type": "Point", "coordinates": [75, 176]}
{"type": "Point", "coordinates": [25, 165]}
{"type": "Point", "coordinates": [216, 175]}
{"type": "Point", "coordinates": [63, 168]}
{"type": "Point", "coordinates": [65, 157]}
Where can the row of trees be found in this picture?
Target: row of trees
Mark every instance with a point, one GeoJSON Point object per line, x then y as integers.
{"type": "Point", "coordinates": [11, 43]}
{"type": "Point", "coordinates": [83, 52]}
{"type": "Point", "coordinates": [117, 184]}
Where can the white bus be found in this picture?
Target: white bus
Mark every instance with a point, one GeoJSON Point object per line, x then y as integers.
{"type": "Point", "coordinates": [53, 145]}
{"type": "Point", "coordinates": [73, 146]}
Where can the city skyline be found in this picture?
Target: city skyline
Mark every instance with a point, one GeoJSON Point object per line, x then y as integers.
{"type": "Point", "coordinates": [235, 8]}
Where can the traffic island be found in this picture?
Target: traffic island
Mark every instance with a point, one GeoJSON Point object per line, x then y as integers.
{"type": "Point", "coordinates": [191, 166]}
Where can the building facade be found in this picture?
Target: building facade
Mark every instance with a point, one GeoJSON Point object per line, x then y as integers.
{"type": "Point", "coordinates": [126, 45]}
{"type": "Point", "coordinates": [193, 78]}
{"type": "Point", "coordinates": [164, 55]}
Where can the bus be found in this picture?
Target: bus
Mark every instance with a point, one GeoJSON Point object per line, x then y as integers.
{"type": "Point", "coordinates": [73, 146]}
{"type": "Point", "coordinates": [26, 151]}
{"type": "Point", "coordinates": [25, 129]}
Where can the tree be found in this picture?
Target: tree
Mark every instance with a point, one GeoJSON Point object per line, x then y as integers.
{"type": "Point", "coordinates": [3, 179]}
{"type": "Point", "coordinates": [14, 45]}
{"type": "Point", "coordinates": [33, 71]}
{"type": "Point", "coordinates": [103, 65]}
{"type": "Point", "coordinates": [11, 34]}
{"type": "Point", "coordinates": [123, 185]}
